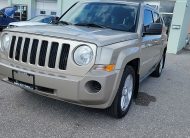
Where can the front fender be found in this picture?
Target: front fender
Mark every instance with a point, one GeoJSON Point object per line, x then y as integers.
{"type": "Point", "coordinates": [127, 55]}
{"type": "Point", "coordinates": [119, 54]}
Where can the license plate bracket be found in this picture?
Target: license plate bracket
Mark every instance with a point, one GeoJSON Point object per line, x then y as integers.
{"type": "Point", "coordinates": [19, 76]}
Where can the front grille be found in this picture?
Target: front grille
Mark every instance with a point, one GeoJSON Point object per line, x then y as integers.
{"type": "Point", "coordinates": [53, 55]}
{"type": "Point", "coordinates": [18, 48]}
{"type": "Point", "coordinates": [25, 49]}
{"type": "Point", "coordinates": [39, 52]}
{"type": "Point", "coordinates": [12, 47]}
{"type": "Point", "coordinates": [34, 51]}
{"type": "Point", "coordinates": [43, 52]}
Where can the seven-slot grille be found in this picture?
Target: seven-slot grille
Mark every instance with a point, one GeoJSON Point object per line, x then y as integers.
{"type": "Point", "coordinates": [39, 52]}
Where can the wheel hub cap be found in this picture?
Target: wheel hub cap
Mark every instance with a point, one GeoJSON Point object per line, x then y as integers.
{"type": "Point", "coordinates": [127, 93]}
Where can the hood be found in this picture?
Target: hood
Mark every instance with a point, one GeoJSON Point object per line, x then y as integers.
{"type": "Point", "coordinates": [98, 36]}
{"type": "Point", "coordinates": [8, 11]}
{"type": "Point", "coordinates": [26, 23]}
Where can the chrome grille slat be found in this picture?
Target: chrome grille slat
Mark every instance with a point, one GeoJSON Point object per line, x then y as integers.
{"type": "Point", "coordinates": [47, 54]}
{"type": "Point", "coordinates": [39, 52]}
{"type": "Point", "coordinates": [58, 57]}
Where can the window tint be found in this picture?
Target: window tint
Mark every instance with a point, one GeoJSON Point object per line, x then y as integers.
{"type": "Point", "coordinates": [148, 18]}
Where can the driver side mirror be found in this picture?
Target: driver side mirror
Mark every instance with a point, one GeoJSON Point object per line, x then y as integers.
{"type": "Point", "coordinates": [153, 29]}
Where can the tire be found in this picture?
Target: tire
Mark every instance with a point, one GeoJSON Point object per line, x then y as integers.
{"type": "Point", "coordinates": [120, 105]}
{"type": "Point", "coordinates": [158, 71]}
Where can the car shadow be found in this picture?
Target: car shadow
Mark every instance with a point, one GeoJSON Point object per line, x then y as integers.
{"type": "Point", "coordinates": [144, 99]}
{"type": "Point", "coordinates": [45, 104]}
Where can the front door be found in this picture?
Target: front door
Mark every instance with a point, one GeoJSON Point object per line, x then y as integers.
{"type": "Point", "coordinates": [148, 50]}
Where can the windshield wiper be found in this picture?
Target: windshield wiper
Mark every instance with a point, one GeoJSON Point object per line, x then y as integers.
{"type": "Point", "coordinates": [90, 25]}
{"type": "Point", "coordinates": [64, 23]}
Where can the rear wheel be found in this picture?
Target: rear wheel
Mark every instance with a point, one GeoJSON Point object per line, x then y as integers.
{"type": "Point", "coordinates": [123, 99]}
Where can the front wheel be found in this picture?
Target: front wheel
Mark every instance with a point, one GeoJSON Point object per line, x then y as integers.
{"type": "Point", "coordinates": [123, 99]}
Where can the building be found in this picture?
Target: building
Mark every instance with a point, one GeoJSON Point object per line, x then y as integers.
{"type": "Point", "coordinates": [31, 8]}
{"type": "Point", "coordinates": [178, 9]}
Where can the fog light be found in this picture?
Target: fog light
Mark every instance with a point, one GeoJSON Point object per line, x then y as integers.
{"type": "Point", "coordinates": [93, 86]}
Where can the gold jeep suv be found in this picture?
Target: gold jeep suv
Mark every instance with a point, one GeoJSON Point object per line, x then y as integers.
{"type": "Point", "coordinates": [94, 56]}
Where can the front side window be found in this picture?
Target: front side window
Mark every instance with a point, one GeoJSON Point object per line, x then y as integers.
{"type": "Point", "coordinates": [111, 15]}
{"type": "Point", "coordinates": [148, 19]}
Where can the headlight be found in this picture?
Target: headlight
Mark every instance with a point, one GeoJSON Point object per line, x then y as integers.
{"type": "Point", "coordinates": [11, 26]}
{"type": "Point", "coordinates": [5, 42]}
{"type": "Point", "coordinates": [83, 55]}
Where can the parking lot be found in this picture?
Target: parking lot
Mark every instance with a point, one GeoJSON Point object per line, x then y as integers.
{"type": "Point", "coordinates": [162, 110]}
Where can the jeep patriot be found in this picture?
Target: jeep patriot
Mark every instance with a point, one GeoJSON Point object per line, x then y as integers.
{"type": "Point", "coordinates": [94, 56]}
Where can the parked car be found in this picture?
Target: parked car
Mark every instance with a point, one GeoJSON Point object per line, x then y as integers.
{"type": "Point", "coordinates": [95, 56]}
{"type": "Point", "coordinates": [5, 16]}
{"type": "Point", "coordinates": [38, 20]}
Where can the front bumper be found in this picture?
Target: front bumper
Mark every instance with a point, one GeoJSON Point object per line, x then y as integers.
{"type": "Point", "coordinates": [71, 89]}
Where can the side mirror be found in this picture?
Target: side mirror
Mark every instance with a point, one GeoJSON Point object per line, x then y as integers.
{"type": "Point", "coordinates": [154, 29]}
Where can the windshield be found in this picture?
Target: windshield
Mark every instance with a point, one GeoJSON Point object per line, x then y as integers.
{"type": "Point", "coordinates": [43, 19]}
{"type": "Point", "coordinates": [111, 15]}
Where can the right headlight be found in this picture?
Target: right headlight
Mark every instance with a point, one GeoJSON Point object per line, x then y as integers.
{"type": "Point", "coordinates": [5, 42]}
{"type": "Point", "coordinates": [83, 55]}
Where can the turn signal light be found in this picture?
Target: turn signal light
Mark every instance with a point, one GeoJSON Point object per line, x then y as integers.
{"type": "Point", "coordinates": [108, 68]}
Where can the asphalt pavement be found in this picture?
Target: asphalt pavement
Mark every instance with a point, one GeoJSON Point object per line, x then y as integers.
{"type": "Point", "coordinates": [162, 110]}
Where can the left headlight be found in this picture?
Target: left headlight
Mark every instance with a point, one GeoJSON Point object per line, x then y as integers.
{"type": "Point", "coordinates": [83, 55]}
{"type": "Point", "coordinates": [5, 42]}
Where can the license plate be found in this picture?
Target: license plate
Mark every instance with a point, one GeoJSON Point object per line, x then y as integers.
{"type": "Point", "coordinates": [23, 79]}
